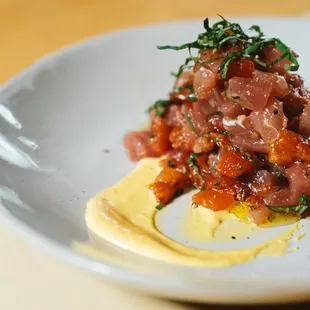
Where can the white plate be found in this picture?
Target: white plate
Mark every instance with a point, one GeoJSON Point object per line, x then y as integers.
{"type": "Point", "coordinates": [58, 117]}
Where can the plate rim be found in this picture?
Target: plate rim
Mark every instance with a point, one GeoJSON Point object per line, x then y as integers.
{"type": "Point", "coordinates": [115, 273]}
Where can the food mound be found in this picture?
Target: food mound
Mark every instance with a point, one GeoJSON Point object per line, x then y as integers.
{"type": "Point", "coordinates": [236, 126]}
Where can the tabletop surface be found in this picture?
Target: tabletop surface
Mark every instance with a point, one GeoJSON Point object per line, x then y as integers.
{"type": "Point", "coordinates": [29, 29]}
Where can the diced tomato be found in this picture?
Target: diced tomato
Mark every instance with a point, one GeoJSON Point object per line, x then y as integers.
{"type": "Point", "coordinates": [283, 150]}
{"type": "Point", "coordinates": [166, 183]}
{"type": "Point", "coordinates": [233, 164]}
{"type": "Point", "coordinates": [213, 200]}
{"type": "Point", "coordinates": [220, 183]}
{"type": "Point", "coordinates": [241, 68]}
{"type": "Point", "coordinates": [162, 191]}
{"type": "Point", "coordinates": [289, 147]}
{"type": "Point", "coordinates": [172, 177]}
{"type": "Point", "coordinates": [202, 162]}
{"type": "Point", "coordinates": [160, 137]}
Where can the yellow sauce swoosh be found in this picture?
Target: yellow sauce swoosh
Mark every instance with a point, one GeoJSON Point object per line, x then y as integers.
{"type": "Point", "coordinates": [123, 215]}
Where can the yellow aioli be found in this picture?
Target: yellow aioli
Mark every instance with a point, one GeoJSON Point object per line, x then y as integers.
{"type": "Point", "coordinates": [203, 225]}
{"type": "Point", "coordinates": [123, 214]}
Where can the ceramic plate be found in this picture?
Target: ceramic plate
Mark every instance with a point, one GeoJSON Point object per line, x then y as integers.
{"type": "Point", "coordinates": [58, 119]}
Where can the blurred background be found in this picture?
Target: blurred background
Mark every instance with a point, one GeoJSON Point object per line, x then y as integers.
{"type": "Point", "coordinates": [32, 28]}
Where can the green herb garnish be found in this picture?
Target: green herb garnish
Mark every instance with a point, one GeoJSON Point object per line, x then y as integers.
{"type": "Point", "coordinates": [239, 167]}
{"type": "Point", "coordinates": [261, 156]}
{"type": "Point", "coordinates": [190, 122]}
{"type": "Point", "coordinates": [304, 204]}
{"type": "Point", "coordinates": [278, 172]}
{"type": "Point", "coordinates": [248, 156]}
{"type": "Point", "coordinates": [171, 164]}
{"type": "Point", "coordinates": [257, 29]}
{"type": "Point", "coordinates": [186, 65]}
{"type": "Point", "coordinates": [192, 157]}
{"type": "Point", "coordinates": [225, 133]}
{"type": "Point", "coordinates": [225, 33]}
{"type": "Point", "coordinates": [192, 97]}
{"type": "Point", "coordinates": [303, 199]}
{"type": "Point", "coordinates": [191, 161]}
{"type": "Point", "coordinates": [160, 206]}
{"type": "Point", "coordinates": [159, 106]}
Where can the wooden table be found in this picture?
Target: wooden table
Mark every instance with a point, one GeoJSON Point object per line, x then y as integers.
{"type": "Point", "coordinates": [29, 279]}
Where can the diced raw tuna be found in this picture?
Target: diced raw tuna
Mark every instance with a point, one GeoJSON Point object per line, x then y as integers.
{"type": "Point", "coordinates": [205, 106]}
{"type": "Point", "coordinates": [269, 122]}
{"type": "Point", "coordinates": [204, 82]}
{"type": "Point", "coordinates": [304, 122]}
{"type": "Point", "coordinates": [138, 145]}
{"type": "Point", "coordinates": [298, 176]}
{"type": "Point", "coordinates": [186, 78]}
{"type": "Point", "coordinates": [252, 93]}
{"type": "Point", "coordinates": [259, 215]}
{"type": "Point", "coordinates": [229, 107]}
{"type": "Point", "coordinates": [243, 134]}
{"type": "Point", "coordinates": [272, 53]}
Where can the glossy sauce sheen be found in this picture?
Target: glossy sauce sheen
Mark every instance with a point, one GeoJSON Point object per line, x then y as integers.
{"type": "Point", "coordinates": [124, 215]}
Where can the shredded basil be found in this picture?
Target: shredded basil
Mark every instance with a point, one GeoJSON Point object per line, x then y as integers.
{"type": "Point", "coordinates": [304, 204]}
{"type": "Point", "coordinates": [226, 133]}
{"type": "Point", "coordinates": [225, 33]}
{"type": "Point", "coordinates": [257, 29]}
{"type": "Point", "coordinates": [192, 157]}
{"type": "Point", "coordinates": [160, 206]}
{"type": "Point", "coordinates": [278, 172]}
{"type": "Point", "coordinates": [190, 122]}
{"type": "Point", "coordinates": [171, 164]}
{"type": "Point", "coordinates": [159, 106]}
{"type": "Point", "coordinates": [192, 97]}
{"type": "Point", "coordinates": [191, 161]}
{"type": "Point", "coordinates": [248, 156]}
